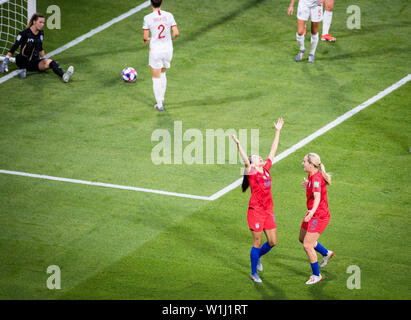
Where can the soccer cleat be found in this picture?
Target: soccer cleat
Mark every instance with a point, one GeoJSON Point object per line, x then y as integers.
{"type": "Point", "coordinates": [329, 255]}
{"type": "Point", "coordinates": [327, 37]}
{"type": "Point", "coordinates": [23, 74]}
{"type": "Point", "coordinates": [259, 265]}
{"type": "Point", "coordinates": [68, 74]}
{"type": "Point", "coordinates": [299, 56]}
{"type": "Point", "coordinates": [314, 279]}
{"type": "Point", "coordinates": [256, 278]}
{"type": "Point", "coordinates": [3, 67]}
{"type": "Point", "coordinates": [158, 108]}
{"type": "Point", "coordinates": [311, 58]}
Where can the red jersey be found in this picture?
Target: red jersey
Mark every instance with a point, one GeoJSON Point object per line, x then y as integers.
{"type": "Point", "coordinates": [316, 183]}
{"type": "Point", "coordinates": [260, 184]}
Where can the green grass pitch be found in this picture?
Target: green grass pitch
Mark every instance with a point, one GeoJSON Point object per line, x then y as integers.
{"type": "Point", "coordinates": [233, 68]}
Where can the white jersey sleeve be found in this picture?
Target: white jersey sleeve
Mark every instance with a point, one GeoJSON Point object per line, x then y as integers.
{"type": "Point", "coordinates": [160, 23]}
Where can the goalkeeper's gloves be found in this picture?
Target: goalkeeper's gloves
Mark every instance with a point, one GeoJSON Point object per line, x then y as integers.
{"type": "Point", "coordinates": [5, 65]}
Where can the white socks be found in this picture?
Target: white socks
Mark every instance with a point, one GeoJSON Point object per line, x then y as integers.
{"type": "Point", "coordinates": [159, 88]}
{"type": "Point", "coordinates": [163, 84]}
{"type": "Point", "coordinates": [314, 42]}
{"type": "Point", "coordinates": [300, 41]}
{"type": "Point", "coordinates": [327, 18]}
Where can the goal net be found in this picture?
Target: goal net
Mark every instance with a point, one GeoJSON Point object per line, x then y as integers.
{"type": "Point", "coordinates": [14, 15]}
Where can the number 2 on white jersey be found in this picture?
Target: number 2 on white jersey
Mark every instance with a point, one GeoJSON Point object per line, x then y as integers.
{"type": "Point", "coordinates": [160, 36]}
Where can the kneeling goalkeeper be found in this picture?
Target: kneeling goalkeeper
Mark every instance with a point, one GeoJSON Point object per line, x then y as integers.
{"type": "Point", "coordinates": [32, 56]}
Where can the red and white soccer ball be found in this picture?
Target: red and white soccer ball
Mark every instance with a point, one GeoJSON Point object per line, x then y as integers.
{"type": "Point", "coordinates": [129, 74]}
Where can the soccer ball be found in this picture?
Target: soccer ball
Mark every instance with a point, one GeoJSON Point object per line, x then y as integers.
{"type": "Point", "coordinates": [129, 74]}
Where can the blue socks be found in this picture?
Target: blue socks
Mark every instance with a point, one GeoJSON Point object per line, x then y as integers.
{"type": "Point", "coordinates": [315, 268]}
{"type": "Point", "coordinates": [319, 248]}
{"type": "Point", "coordinates": [254, 256]}
{"type": "Point", "coordinates": [256, 253]}
{"type": "Point", "coordinates": [265, 249]}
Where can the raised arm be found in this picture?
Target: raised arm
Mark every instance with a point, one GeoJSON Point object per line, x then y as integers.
{"type": "Point", "coordinates": [247, 163]}
{"type": "Point", "coordinates": [274, 146]}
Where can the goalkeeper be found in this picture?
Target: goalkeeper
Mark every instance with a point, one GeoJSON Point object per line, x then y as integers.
{"type": "Point", "coordinates": [32, 56]}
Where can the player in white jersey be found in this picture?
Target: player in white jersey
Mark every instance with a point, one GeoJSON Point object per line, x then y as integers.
{"type": "Point", "coordinates": [328, 16]}
{"type": "Point", "coordinates": [307, 9]}
{"type": "Point", "coordinates": [159, 24]}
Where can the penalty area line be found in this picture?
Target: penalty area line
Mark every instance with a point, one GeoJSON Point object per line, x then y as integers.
{"type": "Point", "coordinates": [101, 184]}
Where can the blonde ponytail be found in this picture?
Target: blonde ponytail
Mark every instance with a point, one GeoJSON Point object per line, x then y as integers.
{"type": "Point", "coordinates": [315, 160]}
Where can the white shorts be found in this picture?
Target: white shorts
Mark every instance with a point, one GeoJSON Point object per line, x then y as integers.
{"type": "Point", "coordinates": [315, 13]}
{"type": "Point", "coordinates": [159, 60]}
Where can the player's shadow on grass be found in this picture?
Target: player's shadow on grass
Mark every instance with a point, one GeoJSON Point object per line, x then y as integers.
{"type": "Point", "coordinates": [317, 290]}
{"type": "Point", "coordinates": [366, 30]}
{"type": "Point", "coordinates": [268, 290]}
{"type": "Point", "coordinates": [214, 101]}
{"type": "Point", "coordinates": [367, 53]}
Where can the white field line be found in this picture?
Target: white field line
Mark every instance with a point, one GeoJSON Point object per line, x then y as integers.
{"type": "Point", "coordinates": [100, 184]}
{"type": "Point", "coordinates": [84, 36]}
{"type": "Point", "coordinates": [236, 183]}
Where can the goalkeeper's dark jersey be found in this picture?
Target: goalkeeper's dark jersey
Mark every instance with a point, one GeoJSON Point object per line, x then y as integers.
{"type": "Point", "coordinates": [30, 44]}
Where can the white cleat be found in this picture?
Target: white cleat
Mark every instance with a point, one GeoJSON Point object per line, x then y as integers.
{"type": "Point", "coordinates": [314, 279]}
{"type": "Point", "coordinates": [311, 58]}
{"type": "Point", "coordinates": [259, 265]}
{"type": "Point", "coordinates": [158, 108]}
{"type": "Point", "coordinates": [256, 278]}
{"type": "Point", "coordinates": [68, 74]}
{"type": "Point", "coordinates": [299, 56]}
{"type": "Point", "coordinates": [329, 255]}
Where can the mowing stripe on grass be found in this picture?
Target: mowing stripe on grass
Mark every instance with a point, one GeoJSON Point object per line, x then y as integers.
{"type": "Point", "coordinates": [236, 183]}
{"type": "Point", "coordinates": [84, 37]}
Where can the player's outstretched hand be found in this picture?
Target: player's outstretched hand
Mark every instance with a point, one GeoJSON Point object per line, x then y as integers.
{"type": "Point", "coordinates": [290, 10]}
{"type": "Point", "coordinates": [279, 124]}
{"type": "Point", "coordinates": [235, 139]}
{"type": "Point", "coordinates": [5, 65]}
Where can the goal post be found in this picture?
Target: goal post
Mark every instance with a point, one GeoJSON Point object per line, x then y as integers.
{"type": "Point", "coordinates": [14, 16]}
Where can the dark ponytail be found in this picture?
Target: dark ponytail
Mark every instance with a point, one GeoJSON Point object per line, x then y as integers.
{"type": "Point", "coordinates": [246, 183]}
{"type": "Point", "coordinates": [34, 17]}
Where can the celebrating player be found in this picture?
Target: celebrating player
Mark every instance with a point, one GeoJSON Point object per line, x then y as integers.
{"type": "Point", "coordinates": [307, 9]}
{"type": "Point", "coordinates": [32, 56]}
{"type": "Point", "coordinates": [328, 16]}
{"type": "Point", "coordinates": [318, 215]}
{"type": "Point", "coordinates": [159, 23]}
{"type": "Point", "coordinates": [260, 214]}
